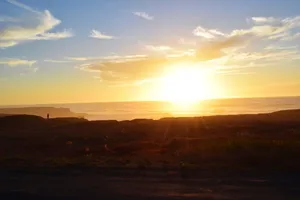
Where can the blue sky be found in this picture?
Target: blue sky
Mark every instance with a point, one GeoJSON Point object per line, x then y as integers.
{"type": "Point", "coordinates": [49, 47]}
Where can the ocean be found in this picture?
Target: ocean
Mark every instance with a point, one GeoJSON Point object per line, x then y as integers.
{"type": "Point", "coordinates": [156, 109]}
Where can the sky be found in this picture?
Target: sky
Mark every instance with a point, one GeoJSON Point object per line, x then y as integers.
{"type": "Point", "coordinates": [99, 51]}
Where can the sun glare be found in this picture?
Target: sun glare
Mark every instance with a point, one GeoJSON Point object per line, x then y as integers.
{"type": "Point", "coordinates": [185, 85]}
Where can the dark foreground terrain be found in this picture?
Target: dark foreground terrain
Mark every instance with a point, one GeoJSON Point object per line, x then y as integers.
{"type": "Point", "coordinates": [216, 157]}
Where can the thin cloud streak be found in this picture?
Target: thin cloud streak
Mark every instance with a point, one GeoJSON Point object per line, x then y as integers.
{"type": "Point", "coordinates": [57, 61]}
{"type": "Point", "coordinates": [207, 33]}
{"type": "Point", "coordinates": [98, 35]}
{"type": "Point", "coordinates": [260, 20]}
{"type": "Point", "coordinates": [6, 44]}
{"type": "Point", "coordinates": [25, 7]}
{"type": "Point", "coordinates": [143, 15]}
{"type": "Point", "coordinates": [12, 62]}
{"type": "Point", "coordinates": [105, 58]}
{"type": "Point", "coordinates": [158, 48]}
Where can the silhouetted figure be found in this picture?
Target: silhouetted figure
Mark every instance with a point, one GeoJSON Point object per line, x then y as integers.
{"type": "Point", "coordinates": [48, 116]}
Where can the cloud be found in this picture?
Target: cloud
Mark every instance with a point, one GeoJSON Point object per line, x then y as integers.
{"type": "Point", "coordinates": [141, 67]}
{"type": "Point", "coordinates": [207, 33]}
{"type": "Point", "coordinates": [216, 32]}
{"type": "Point", "coordinates": [82, 58]}
{"type": "Point", "coordinates": [272, 28]}
{"type": "Point", "coordinates": [199, 31]}
{"type": "Point", "coordinates": [234, 72]}
{"type": "Point", "coordinates": [143, 15]}
{"type": "Point", "coordinates": [263, 20]}
{"type": "Point", "coordinates": [45, 23]}
{"type": "Point", "coordinates": [24, 66]}
{"type": "Point", "coordinates": [277, 47]}
{"type": "Point", "coordinates": [263, 30]}
{"type": "Point", "coordinates": [269, 56]}
{"type": "Point", "coordinates": [262, 27]}
{"type": "Point", "coordinates": [128, 70]}
{"type": "Point", "coordinates": [98, 35]}
{"type": "Point", "coordinates": [38, 29]}
{"type": "Point", "coordinates": [115, 58]}
{"type": "Point", "coordinates": [12, 62]}
{"type": "Point", "coordinates": [158, 48]}
{"type": "Point", "coordinates": [137, 68]}
{"type": "Point", "coordinates": [6, 44]}
{"type": "Point", "coordinates": [291, 22]}
{"type": "Point", "coordinates": [288, 37]}
{"type": "Point", "coordinates": [57, 61]}
{"type": "Point", "coordinates": [53, 36]}
{"type": "Point", "coordinates": [216, 49]}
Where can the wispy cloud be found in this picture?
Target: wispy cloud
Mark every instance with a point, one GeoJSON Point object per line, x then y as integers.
{"type": "Point", "coordinates": [227, 48]}
{"type": "Point", "coordinates": [22, 66]}
{"type": "Point", "coordinates": [5, 44]}
{"type": "Point", "coordinates": [34, 30]}
{"type": "Point", "coordinates": [290, 37]}
{"type": "Point", "coordinates": [98, 35]}
{"type": "Point", "coordinates": [234, 72]}
{"type": "Point", "coordinates": [272, 28]}
{"type": "Point", "coordinates": [200, 31]}
{"type": "Point", "coordinates": [137, 68]}
{"type": "Point", "coordinates": [82, 58]}
{"type": "Point", "coordinates": [57, 61]}
{"type": "Point", "coordinates": [269, 56]}
{"type": "Point", "coordinates": [207, 33]}
{"type": "Point", "coordinates": [277, 47]}
{"type": "Point", "coordinates": [127, 70]}
{"type": "Point", "coordinates": [115, 58]}
{"type": "Point", "coordinates": [262, 20]}
{"type": "Point", "coordinates": [263, 30]}
{"type": "Point", "coordinates": [53, 36]}
{"type": "Point", "coordinates": [12, 62]}
{"type": "Point", "coordinates": [158, 48]}
{"type": "Point", "coordinates": [143, 15]}
{"type": "Point", "coordinates": [262, 27]}
{"type": "Point", "coordinates": [217, 48]}
{"type": "Point", "coordinates": [25, 7]}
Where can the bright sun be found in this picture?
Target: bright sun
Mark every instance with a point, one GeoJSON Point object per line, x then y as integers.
{"type": "Point", "coordinates": [187, 84]}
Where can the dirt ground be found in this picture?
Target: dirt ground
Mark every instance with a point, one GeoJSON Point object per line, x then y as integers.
{"type": "Point", "coordinates": [82, 184]}
{"type": "Point", "coordinates": [238, 157]}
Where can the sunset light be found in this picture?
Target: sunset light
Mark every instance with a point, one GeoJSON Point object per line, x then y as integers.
{"type": "Point", "coordinates": [188, 84]}
{"type": "Point", "coordinates": [145, 99]}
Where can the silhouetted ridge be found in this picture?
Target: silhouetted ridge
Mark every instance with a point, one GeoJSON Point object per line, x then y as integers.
{"type": "Point", "coordinates": [21, 121]}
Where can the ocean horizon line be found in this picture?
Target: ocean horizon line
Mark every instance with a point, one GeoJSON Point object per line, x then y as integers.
{"type": "Point", "coordinates": [144, 101]}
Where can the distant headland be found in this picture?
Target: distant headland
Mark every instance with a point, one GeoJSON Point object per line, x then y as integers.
{"type": "Point", "coordinates": [41, 111]}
